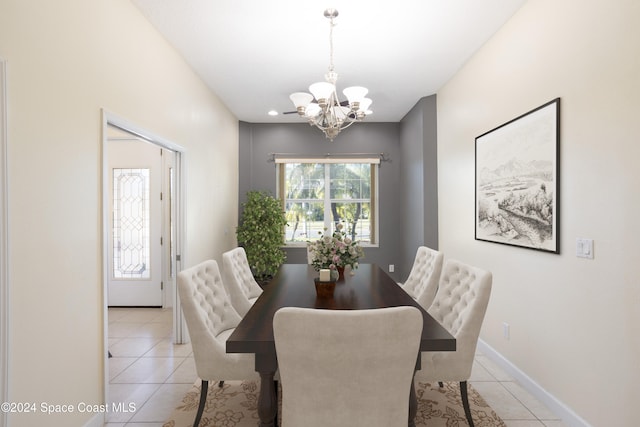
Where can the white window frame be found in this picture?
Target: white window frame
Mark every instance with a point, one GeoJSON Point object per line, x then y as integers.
{"type": "Point", "coordinates": [374, 201]}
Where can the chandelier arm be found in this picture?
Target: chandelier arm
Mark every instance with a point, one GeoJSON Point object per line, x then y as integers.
{"type": "Point", "coordinates": [332, 125]}
{"type": "Point", "coordinates": [349, 123]}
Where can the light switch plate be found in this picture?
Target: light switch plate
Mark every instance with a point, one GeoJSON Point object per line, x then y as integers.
{"type": "Point", "coordinates": [584, 248]}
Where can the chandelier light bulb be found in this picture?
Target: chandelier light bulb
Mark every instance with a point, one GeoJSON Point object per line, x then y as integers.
{"type": "Point", "coordinates": [365, 104]}
{"type": "Point", "coordinates": [355, 95]}
{"type": "Point", "coordinates": [322, 91]}
{"type": "Point", "coordinates": [312, 110]}
{"type": "Point", "coordinates": [301, 99]}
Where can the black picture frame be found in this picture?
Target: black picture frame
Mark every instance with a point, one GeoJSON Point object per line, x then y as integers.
{"type": "Point", "coordinates": [517, 178]}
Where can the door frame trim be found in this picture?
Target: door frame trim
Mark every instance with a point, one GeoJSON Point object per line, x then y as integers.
{"type": "Point", "coordinates": [4, 249]}
{"type": "Point", "coordinates": [179, 328]}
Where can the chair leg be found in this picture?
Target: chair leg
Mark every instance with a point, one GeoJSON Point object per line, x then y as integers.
{"type": "Point", "coordinates": [465, 402]}
{"type": "Point", "coordinates": [275, 419]}
{"type": "Point", "coordinates": [440, 384]}
{"type": "Point", "coordinates": [220, 384]}
{"type": "Point", "coordinates": [203, 399]}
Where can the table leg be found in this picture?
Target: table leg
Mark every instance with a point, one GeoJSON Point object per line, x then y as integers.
{"type": "Point", "coordinates": [413, 405]}
{"type": "Point", "coordinates": [267, 400]}
{"type": "Point", "coordinates": [266, 366]}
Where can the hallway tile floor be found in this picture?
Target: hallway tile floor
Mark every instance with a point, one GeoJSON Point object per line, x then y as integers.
{"type": "Point", "coordinates": [150, 372]}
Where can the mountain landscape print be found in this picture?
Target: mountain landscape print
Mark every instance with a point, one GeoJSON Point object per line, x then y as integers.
{"type": "Point", "coordinates": [516, 181]}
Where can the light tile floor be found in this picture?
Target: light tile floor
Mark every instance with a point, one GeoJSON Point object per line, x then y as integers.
{"type": "Point", "coordinates": [153, 374]}
{"type": "Point", "coordinates": [146, 369]}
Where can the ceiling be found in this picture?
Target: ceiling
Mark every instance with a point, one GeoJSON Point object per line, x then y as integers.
{"type": "Point", "coordinates": [254, 53]}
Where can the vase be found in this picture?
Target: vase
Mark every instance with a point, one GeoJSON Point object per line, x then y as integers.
{"type": "Point", "coordinates": [325, 289]}
{"type": "Point", "coordinates": [340, 273]}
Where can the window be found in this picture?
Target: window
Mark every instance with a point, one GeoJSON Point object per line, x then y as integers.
{"type": "Point", "coordinates": [131, 223]}
{"type": "Point", "coordinates": [317, 194]}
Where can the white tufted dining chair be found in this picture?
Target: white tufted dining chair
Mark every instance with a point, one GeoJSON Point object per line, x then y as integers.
{"type": "Point", "coordinates": [360, 375]}
{"type": "Point", "coordinates": [459, 305]}
{"type": "Point", "coordinates": [211, 320]}
{"type": "Point", "coordinates": [422, 282]}
{"type": "Point", "coordinates": [238, 280]}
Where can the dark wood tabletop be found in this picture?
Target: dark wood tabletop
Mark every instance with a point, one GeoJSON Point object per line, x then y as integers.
{"type": "Point", "coordinates": [293, 286]}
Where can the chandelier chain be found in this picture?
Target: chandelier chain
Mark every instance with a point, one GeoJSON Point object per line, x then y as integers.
{"type": "Point", "coordinates": [331, 25]}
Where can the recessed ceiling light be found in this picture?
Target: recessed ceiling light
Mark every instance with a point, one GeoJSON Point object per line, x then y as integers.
{"type": "Point", "coordinates": [272, 113]}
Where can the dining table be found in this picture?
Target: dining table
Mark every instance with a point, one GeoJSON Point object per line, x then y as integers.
{"type": "Point", "coordinates": [367, 287]}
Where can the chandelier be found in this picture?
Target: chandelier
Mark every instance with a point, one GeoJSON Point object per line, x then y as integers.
{"type": "Point", "coordinates": [322, 108]}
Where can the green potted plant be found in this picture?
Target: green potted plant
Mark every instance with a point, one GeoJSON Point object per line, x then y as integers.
{"type": "Point", "coordinates": [261, 234]}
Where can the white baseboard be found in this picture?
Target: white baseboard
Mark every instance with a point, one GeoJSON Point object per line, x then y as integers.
{"type": "Point", "coordinates": [566, 414]}
{"type": "Point", "coordinates": [97, 420]}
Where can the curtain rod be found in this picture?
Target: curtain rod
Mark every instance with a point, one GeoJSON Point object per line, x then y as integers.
{"type": "Point", "coordinates": [384, 157]}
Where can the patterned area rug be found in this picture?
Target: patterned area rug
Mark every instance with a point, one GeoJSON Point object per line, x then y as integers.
{"type": "Point", "coordinates": [235, 405]}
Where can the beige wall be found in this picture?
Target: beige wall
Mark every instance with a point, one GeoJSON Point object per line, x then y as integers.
{"type": "Point", "coordinates": [65, 61]}
{"type": "Point", "coordinates": [574, 322]}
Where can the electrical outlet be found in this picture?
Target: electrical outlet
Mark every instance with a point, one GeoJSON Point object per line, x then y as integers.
{"type": "Point", "coordinates": [392, 268]}
{"type": "Point", "coordinates": [505, 331]}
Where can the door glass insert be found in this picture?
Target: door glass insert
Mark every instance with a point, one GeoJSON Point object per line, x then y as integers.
{"type": "Point", "coordinates": [131, 224]}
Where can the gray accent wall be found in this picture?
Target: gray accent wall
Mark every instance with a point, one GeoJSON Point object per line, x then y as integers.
{"type": "Point", "coordinates": [403, 201]}
{"type": "Point", "coordinates": [419, 179]}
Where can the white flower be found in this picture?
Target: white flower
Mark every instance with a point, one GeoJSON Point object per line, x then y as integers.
{"type": "Point", "coordinates": [335, 250]}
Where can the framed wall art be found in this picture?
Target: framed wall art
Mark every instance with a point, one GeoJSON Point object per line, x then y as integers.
{"type": "Point", "coordinates": [517, 181]}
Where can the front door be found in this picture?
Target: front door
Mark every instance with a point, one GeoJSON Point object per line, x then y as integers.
{"type": "Point", "coordinates": [135, 246]}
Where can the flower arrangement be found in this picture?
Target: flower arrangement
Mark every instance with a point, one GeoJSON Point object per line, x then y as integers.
{"type": "Point", "coordinates": [337, 250]}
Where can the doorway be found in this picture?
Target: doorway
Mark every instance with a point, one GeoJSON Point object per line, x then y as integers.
{"type": "Point", "coordinates": [137, 188]}
{"type": "Point", "coordinates": [172, 223]}
{"type": "Point", "coordinates": [4, 247]}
